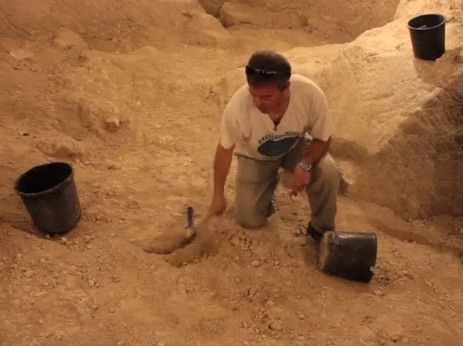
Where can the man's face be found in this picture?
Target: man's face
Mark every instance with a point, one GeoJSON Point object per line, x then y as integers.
{"type": "Point", "coordinates": [267, 98]}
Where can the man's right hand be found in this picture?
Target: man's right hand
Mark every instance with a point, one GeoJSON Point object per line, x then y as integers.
{"type": "Point", "coordinates": [218, 205]}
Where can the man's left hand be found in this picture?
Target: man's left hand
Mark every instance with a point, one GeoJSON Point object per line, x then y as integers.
{"type": "Point", "coordinates": [300, 180]}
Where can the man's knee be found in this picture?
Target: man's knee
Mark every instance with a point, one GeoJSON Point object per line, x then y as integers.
{"type": "Point", "coordinates": [249, 217]}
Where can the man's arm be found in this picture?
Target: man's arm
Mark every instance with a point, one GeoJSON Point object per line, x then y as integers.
{"type": "Point", "coordinates": [316, 150]}
{"type": "Point", "coordinates": [222, 163]}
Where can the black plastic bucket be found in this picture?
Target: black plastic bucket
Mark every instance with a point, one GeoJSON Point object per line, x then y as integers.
{"type": "Point", "coordinates": [348, 254]}
{"type": "Point", "coordinates": [427, 33]}
{"type": "Point", "coordinates": [49, 193]}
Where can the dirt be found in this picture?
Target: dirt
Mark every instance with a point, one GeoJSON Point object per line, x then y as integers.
{"type": "Point", "coordinates": [138, 117]}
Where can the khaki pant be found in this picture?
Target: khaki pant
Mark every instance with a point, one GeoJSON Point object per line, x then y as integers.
{"type": "Point", "coordinates": [256, 182]}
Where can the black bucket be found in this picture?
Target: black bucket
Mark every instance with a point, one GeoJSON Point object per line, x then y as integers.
{"type": "Point", "coordinates": [427, 33]}
{"type": "Point", "coordinates": [349, 254]}
{"type": "Point", "coordinates": [49, 193]}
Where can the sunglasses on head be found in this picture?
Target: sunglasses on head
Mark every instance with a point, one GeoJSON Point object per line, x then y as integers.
{"type": "Point", "coordinates": [253, 71]}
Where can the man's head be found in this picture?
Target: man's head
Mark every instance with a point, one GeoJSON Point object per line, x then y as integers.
{"type": "Point", "coordinates": [268, 75]}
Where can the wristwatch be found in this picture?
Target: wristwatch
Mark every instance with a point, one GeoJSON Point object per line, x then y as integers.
{"type": "Point", "coordinates": [306, 165]}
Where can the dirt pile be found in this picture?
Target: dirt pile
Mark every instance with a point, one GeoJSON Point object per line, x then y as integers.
{"type": "Point", "coordinates": [311, 16]}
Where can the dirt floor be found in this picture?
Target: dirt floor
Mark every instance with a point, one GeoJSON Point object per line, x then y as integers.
{"type": "Point", "coordinates": [139, 124]}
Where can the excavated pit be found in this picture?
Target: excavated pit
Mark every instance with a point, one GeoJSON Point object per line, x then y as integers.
{"type": "Point", "coordinates": [131, 91]}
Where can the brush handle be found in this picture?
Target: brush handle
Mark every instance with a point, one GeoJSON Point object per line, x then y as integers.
{"type": "Point", "coordinates": [189, 217]}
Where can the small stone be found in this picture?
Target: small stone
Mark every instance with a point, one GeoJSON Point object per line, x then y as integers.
{"type": "Point", "coordinates": [95, 307]}
{"type": "Point", "coordinates": [275, 326]}
{"type": "Point", "coordinates": [366, 334]}
{"type": "Point", "coordinates": [64, 240]}
{"type": "Point", "coordinates": [91, 283]}
{"type": "Point", "coordinates": [113, 234]}
{"type": "Point", "coordinates": [256, 263]}
{"type": "Point", "coordinates": [378, 293]}
{"type": "Point", "coordinates": [112, 310]}
{"type": "Point", "coordinates": [121, 343]}
{"type": "Point", "coordinates": [301, 316]}
{"type": "Point", "coordinates": [236, 259]}
{"type": "Point", "coordinates": [43, 261]}
{"type": "Point", "coordinates": [270, 303]}
{"type": "Point", "coordinates": [252, 292]}
{"type": "Point", "coordinates": [19, 256]}
{"type": "Point", "coordinates": [112, 124]}
{"type": "Point", "coordinates": [29, 274]}
{"type": "Point", "coordinates": [89, 247]}
{"type": "Point", "coordinates": [235, 241]}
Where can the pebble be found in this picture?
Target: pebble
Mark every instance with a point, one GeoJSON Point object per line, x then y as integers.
{"type": "Point", "coordinates": [270, 303]}
{"type": "Point", "coordinates": [256, 263]}
{"type": "Point", "coordinates": [89, 247]}
{"type": "Point", "coordinates": [235, 241]}
{"type": "Point", "coordinates": [366, 334]}
{"type": "Point", "coordinates": [19, 256]}
{"type": "Point", "coordinates": [64, 240]}
{"type": "Point", "coordinates": [379, 293]}
{"type": "Point", "coordinates": [113, 234]}
{"type": "Point", "coordinates": [121, 343]}
{"type": "Point", "coordinates": [275, 326]}
{"type": "Point", "coordinates": [301, 316]}
{"type": "Point", "coordinates": [29, 273]}
{"type": "Point", "coordinates": [252, 292]}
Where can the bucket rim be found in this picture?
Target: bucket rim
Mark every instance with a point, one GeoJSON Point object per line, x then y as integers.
{"type": "Point", "coordinates": [439, 15]}
{"type": "Point", "coordinates": [56, 187]}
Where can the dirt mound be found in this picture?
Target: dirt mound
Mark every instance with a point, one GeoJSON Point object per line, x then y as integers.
{"type": "Point", "coordinates": [333, 24]}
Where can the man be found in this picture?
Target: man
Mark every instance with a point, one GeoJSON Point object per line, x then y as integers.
{"type": "Point", "coordinates": [265, 123]}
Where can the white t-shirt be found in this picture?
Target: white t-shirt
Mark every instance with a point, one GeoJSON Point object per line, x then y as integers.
{"type": "Point", "coordinates": [255, 135]}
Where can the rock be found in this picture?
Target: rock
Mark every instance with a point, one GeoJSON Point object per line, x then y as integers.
{"type": "Point", "coordinates": [212, 6]}
{"type": "Point", "coordinates": [67, 39]}
{"type": "Point", "coordinates": [29, 274]}
{"type": "Point", "coordinates": [270, 303]}
{"type": "Point", "coordinates": [300, 315]}
{"type": "Point", "coordinates": [121, 343]}
{"type": "Point", "coordinates": [252, 292]}
{"type": "Point", "coordinates": [65, 148]}
{"type": "Point", "coordinates": [256, 263]}
{"type": "Point", "coordinates": [235, 241]}
{"type": "Point", "coordinates": [112, 124]}
{"type": "Point", "coordinates": [64, 240]}
{"type": "Point", "coordinates": [275, 326]}
{"type": "Point", "coordinates": [379, 293]}
{"type": "Point", "coordinates": [366, 334]}
{"type": "Point", "coordinates": [395, 331]}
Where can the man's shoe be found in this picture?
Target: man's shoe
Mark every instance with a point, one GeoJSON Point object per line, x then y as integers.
{"type": "Point", "coordinates": [314, 233]}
